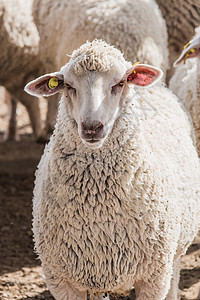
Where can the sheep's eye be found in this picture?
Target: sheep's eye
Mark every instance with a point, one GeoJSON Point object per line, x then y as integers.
{"type": "Point", "coordinates": [121, 83]}
{"type": "Point", "coordinates": [117, 88]}
{"type": "Point", "coordinates": [70, 88]}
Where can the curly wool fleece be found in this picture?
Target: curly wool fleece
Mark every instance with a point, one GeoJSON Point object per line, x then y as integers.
{"type": "Point", "coordinates": [130, 25]}
{"type": "Point", "coordinates": [107, 218]}
{"type": "Point", "coordinates": [186, 85]}
{"type": "Point", "coordinates": [95, 56]}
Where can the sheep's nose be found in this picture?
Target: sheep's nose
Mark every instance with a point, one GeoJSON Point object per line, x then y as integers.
{"type": "Point", "coordinates": [92, 129]}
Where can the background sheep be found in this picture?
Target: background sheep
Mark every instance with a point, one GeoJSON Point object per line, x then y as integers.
{"type": "Point", "coordinates": [136, 28]}
{"type": "Point", "coordinates": [186, 81]}
{"type": "Point", "coordinates": [117, 190]}
{"type": "Point", "coordinates": [181, 17]}
{"type": "Point", "coordinates": [19, 60]}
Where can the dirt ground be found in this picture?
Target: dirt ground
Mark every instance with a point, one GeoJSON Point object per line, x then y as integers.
{"type": "Point", "coordinates": [20, 271]}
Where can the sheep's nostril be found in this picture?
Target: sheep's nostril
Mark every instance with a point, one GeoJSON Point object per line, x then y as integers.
{"type": "Point", "coordinates": [99, 127]}
{"type": "Point", "coordinates": [91, 129]}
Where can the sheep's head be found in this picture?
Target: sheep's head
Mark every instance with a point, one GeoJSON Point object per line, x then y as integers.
{"type": "Point", "coordinates": [94, 83]}
{"type": "Point", "coordinates": [190, 50]}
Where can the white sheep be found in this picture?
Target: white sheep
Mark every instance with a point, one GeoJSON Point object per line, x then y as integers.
{"type": "Point", "coordinates": [185, 82]}
{"type": "Point", "coordinates": [116, 197]}
{"type": "Point", "coordinates": [181, 18]}
{"type": "Point", "coordinates": [19, 60]}
{"type": "Point", "coordinates": [137, 28]}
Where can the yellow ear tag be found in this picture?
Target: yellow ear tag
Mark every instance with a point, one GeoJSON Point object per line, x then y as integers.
{"type": "Point", "coordinates": [135, 64]}
{"type": "Point", "coordinates": [185, 58]}
{"type": "Point", "coordinates": [187, 45]}
{"type": "Point", "coordinates": [53, 83]}
{"type": "Point", "coordinates": [192, 50]}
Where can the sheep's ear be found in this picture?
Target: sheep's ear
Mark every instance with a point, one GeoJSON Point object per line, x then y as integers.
{"type": "Point", "coordinates": [143, 75]}
{"type": "Point", "coordinates": [46, 85]}
{"type": "Point", "coordinates": [190, 50]}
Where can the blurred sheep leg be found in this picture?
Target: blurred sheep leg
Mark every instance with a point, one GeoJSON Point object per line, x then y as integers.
{"type": "Point", "coordinates": [32, 105]}
{"type": "Point", "coordinates": [50, 118]}
{"type": "Point", "coordinates": [52, 113]}
{"type": "Point", "coordinates": [11, 131]}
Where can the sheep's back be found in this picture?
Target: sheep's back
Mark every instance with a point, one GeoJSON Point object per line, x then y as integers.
{"type": "Point", "coordinates": [130, 26]}
{"type": "Point", "coordinates": [19, 41]}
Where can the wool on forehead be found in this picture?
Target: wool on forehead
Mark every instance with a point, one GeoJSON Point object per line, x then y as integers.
{"type": "Point", "coordinates": [95, 56]}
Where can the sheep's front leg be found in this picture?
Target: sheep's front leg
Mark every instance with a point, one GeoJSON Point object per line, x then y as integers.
{"type": "Point", "coordinates": [156, 288]}
{"type": "Point", "coordinates": [174, 293]}
{"type": "Point", "coordinates": [63, 290]}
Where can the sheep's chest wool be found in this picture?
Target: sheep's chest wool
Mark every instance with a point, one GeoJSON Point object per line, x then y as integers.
{"type": "Point", "coordinates": [97, 213]}
{"type": "Point", "coordinates": [89, 195]}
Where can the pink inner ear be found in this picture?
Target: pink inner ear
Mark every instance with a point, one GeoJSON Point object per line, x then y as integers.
{"type": "Point", "coordinates": [143, 76]}
{"type": "Point", "coordinates": [41, 86]}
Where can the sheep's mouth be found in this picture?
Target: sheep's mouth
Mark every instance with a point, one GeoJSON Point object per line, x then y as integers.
{"type": "Point", "coordinates": [93, 143]}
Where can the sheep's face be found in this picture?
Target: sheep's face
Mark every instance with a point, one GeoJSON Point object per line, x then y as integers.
{"type": "Point", "coordinates": [94, 98]}
{"type": "Point", "coordinates": [94, 84]}
{"type": "Point", "coordinates": [94, 101]}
